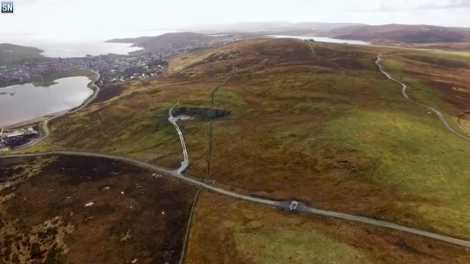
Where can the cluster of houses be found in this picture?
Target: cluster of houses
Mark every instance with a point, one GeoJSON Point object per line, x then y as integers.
{"type": "Point", "coordinates": [141, 68]}
{"type": "Point", "coordinates": [111, 67]}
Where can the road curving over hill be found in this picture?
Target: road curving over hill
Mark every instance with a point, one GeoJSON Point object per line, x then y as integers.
{"type": "Point", "coordinates": [278, 204]}
{"type": "Point", "coordinates": [286, 205]}
{"type": "Point", "coordinates": [403, 92]}
{"type": "Point", "coordinates": [151, 167]}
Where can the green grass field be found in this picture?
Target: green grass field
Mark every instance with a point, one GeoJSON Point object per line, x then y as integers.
{"type": "Point", "coordinates": [318, 123]}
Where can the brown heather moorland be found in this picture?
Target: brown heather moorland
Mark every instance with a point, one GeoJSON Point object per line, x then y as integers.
{"type": "Point", "coordinates": [86, 210]}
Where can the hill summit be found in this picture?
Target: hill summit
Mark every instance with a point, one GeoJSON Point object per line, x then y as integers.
{"type": "Point", "coordinates": [402, 33]}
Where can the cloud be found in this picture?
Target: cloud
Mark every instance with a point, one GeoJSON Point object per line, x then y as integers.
{"type": "Point", "coordinates": [426, 5]}
{"type": "Point", "coordinates": [43, 3]}
{"type": "Point", "coordinates": [80, 17]}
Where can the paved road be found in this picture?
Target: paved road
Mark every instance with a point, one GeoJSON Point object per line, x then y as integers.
{"type": "Point", "coordinates": [403, 92]}
{"type": "Point", "coordinates": [151, 167]}
{"type": "Point", "coordinates": [288, 205]}
{"type": "Point", "coordinates": [280, 204]}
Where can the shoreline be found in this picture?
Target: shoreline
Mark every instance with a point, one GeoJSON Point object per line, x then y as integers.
{"type": "Point", "coordinates": [44, 130]}
{"type": "Point", "coordinates": [50, 79]}
{"type": "Point", "coordinates": [93, 77]}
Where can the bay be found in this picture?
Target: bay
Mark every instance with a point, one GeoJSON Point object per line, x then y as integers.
{"type": "Point", "coordinates": [323, 39]}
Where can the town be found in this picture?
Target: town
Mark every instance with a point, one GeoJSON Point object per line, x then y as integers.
{"type": "Point", "coordinates": [112, 68]}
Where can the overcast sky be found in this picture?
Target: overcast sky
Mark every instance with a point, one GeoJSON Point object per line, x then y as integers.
{"type": "Point", "coordinates": [33, 16]}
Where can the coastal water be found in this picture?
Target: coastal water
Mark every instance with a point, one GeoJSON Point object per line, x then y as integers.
{"type": "Point", "coordinates": [78, 45]}
{"type": "Point", "coordinates": [324, 39]}
{"type": "Point", "coordinates": [21, 103]}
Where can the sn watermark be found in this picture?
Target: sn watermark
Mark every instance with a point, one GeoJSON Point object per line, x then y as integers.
{"type": "Point", "coordinates": [7, 7]}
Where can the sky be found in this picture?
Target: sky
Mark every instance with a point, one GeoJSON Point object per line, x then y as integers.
{"type": "Point", "coordinates": [85, 16]}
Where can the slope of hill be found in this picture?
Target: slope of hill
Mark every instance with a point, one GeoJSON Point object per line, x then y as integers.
{"type": "Point", "coordinates": [93, 223]}
{"type": "Point", "coordinates": [313, 122]}
{"type": "Point", "coordinates": [402, 33]}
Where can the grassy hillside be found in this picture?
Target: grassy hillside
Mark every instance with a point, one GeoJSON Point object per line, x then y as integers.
{"type": "Point", "coordinates": [313, 122]}
{"type": "Point", "coordinates": [250, 233]}
{"type": "Point", "coordinates": [11, 55]}
{"type": "Point", "coordinates": [402, 33]}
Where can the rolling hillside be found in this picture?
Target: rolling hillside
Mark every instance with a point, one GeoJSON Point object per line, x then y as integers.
{"type": "Point", "coordinates": [314, 122]}
{"type": "Point", "coordinates": [402, 33]}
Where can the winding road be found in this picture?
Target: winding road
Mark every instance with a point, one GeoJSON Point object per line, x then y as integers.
{"type": "Point", "coordinates": [286, 205]}
{"type": "Point", "coordinates": [403, 92]}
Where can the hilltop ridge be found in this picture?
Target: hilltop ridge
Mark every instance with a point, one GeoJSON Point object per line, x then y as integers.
{"type": "Point", "coordinates": [175, 40]}
{"type": "Point", "coordinates": [402, 33]}
{"type": "Point", "coordinates": [451, 37]}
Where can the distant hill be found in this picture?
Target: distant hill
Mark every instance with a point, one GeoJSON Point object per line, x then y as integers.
{"type": "Point", "coordinates": [266, 26]}
{"type": "Point", "coordinates": [11, 54]}
{"type": "Point", "coordinates": [174, 39]}
{"type": "Point", "coordinates": [12, 48]}
{"type": "Point", "coordinates": [394, 33]}
{"type": "Point", "coordinates": [383, 34]}
{"type": "Point", "coordinates": [129, 40]}
{"type": "Point", "coordinates": [184, 39]}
